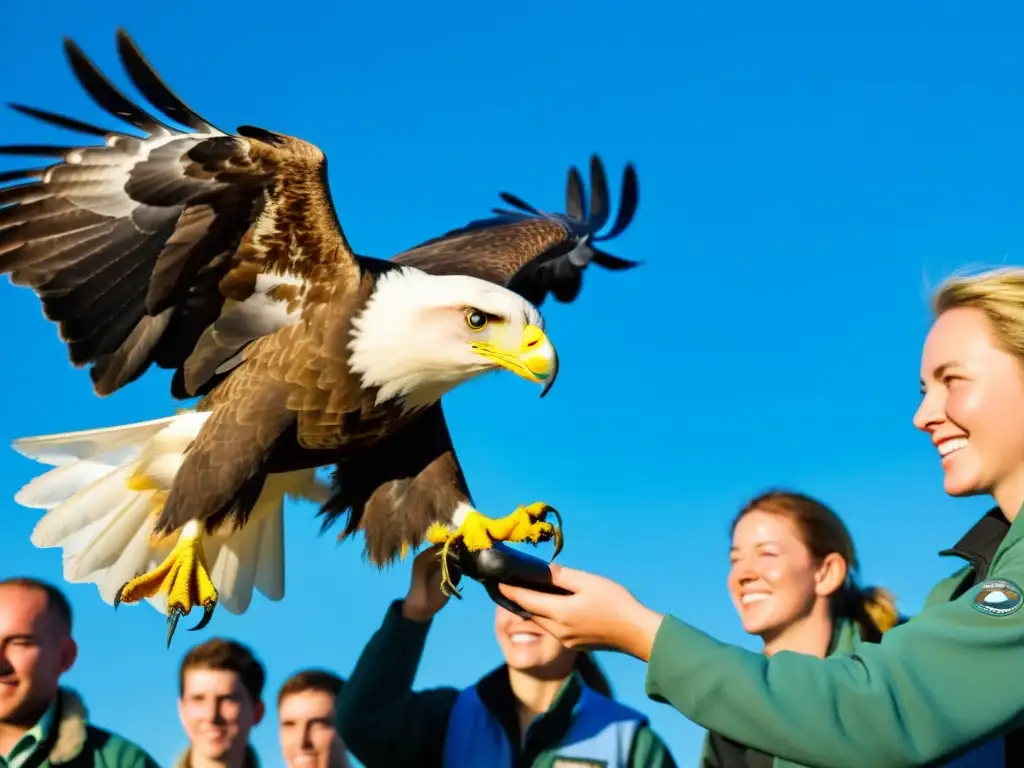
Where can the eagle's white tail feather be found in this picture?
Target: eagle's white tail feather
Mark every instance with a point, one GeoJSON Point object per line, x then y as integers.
{"type": "Point", "coordinates": [93, 444]}
{"type": "Point", "coordinates": [140, 556]}
{"type": "Point", "coordinates": [103, 526]}
{"type": "Point", "coordinates": [270, 576]}
{"type": "Point", "coordinates": [102, 548]}
{"type": "Point", "coordinates": [53, 487]}
{"type": "Point", "coordinates": [92, 503]}
{"type": "Point", "coordinates": [235, 565]}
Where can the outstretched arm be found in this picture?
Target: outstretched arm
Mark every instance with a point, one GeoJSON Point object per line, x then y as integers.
{"type": "Point", "coordinates": [380, 718]}
{"type": "Point", "coordinates": [944, 682]}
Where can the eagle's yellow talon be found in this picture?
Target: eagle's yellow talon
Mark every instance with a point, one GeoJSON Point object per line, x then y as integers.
{"type": "Point", "coordinates": [182, 576]}
{"type": "Point", "coordinates": [480, 532]}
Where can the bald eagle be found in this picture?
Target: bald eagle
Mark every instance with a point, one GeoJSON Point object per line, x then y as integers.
{"type": "Point", "coordinates": [220, 256]}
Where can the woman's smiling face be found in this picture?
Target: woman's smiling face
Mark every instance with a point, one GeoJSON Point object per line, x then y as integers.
{"type": "Point", "coordinates": [528, 648]}
{"type": "Point", "coordinates": [973, 408]}
{"type": "Point", "coordinates": [774, 579]}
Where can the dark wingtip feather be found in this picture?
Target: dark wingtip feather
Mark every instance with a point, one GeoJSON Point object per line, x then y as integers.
{"type": "Point", "coordinates": [144, 76]}
{"type": "Point", "coordinates": [518, 202]}
{"type": "Point", "coordinates": [599, 208]}
{"type": "Point", "coordinates": [26, 173]}
{"type": "Point", "coordinates": [575, 203]}
{"type": "Point", "coordinates": [614, 263]}
{"type": "Point", "coordinates": [37, 150]}
{"type": "Point", "coordinates": [62, 121]}
{"type": "Point", "coordinates": [627, 205]}
{"type": "Point", "coordinates": [106, 94]}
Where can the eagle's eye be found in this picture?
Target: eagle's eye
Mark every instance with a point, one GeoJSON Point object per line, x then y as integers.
{"type": "Point", "coordinates": [475, 319]}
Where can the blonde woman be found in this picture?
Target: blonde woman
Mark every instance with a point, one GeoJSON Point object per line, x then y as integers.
{"type": "Point", "coordinates": [793, 581]}
{"type": "Point", "coordinates": [947, 684]}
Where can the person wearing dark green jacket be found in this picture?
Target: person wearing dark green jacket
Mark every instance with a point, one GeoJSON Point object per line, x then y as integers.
{"type": "Point", "coordinates": [64, 738]}
{"type": "Point", "coordinates": [43, 724]}
{"type": "Point", "coordinates": [793, 580]}
{"type": "Point", "coordinates": [546, 706]}
{"type": "Point", "coordinates": [946, 685]}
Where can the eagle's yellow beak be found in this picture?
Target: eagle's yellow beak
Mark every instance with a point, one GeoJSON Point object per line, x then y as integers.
{"type": "Point", "coordinates": [532, 356]}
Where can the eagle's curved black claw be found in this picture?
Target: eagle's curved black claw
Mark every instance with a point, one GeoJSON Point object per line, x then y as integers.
{"type": "Point", "coordinates": [557, 535]}
{"type": "Point", "coordinates": [173, 615]}
{"type": "Point", "coordinates": [208, 609]}
{"type": "Point", "coordinates": [118, 594]}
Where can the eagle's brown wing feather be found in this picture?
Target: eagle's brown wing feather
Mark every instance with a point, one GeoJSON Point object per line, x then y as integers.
{"type": "Point", "coordinates": [394, 489]}
{"type": "Point", "coordinates": [157, 248]}
{"type": "Point", "coordinates": [532, 252]}
{"type": "Point", "coordinates": [296, 381]}
{"type": "Point", "coordinates": [494, 253]}
{"type": "Point", "coordinates": [223, 472]}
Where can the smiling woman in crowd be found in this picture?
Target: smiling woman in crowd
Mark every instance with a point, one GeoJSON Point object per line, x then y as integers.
{"type": "Point", "coordinates": [948, 683]}
{"type": "Point", "coordinates": [793, 580]}
{"type": "Point", "coordinates": [545, 706]}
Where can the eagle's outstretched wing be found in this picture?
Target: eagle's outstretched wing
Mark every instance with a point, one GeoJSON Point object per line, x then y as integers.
{"type": "Point", "coordinates": [174, 247]}
{"type": "Point", "coordinates": [534, 252]}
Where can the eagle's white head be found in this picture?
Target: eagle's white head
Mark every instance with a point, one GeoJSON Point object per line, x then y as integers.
{"type": "Point", "coordinates": [421, 335]}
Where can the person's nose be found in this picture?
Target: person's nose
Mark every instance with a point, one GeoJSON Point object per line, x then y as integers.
{"type": "Point", "coordinates": [929, 413]}
{"type": "Point", "coordinates": [743, 572]}
{"type": "Point", "coordinates": [215, 713]}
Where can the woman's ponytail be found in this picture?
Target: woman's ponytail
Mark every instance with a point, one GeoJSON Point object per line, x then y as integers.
{"type": "Point", "coordinates": [873, 610]}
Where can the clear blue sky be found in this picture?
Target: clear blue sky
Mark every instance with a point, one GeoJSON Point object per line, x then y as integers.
{"type": "Point", "coordinates": [807, 172]}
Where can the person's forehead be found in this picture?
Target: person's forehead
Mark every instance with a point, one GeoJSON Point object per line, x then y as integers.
{"type": "Point", "coordinates": [310, 703]}
{"type": "Point", "coordinates": [221, 682]}
{"type": "Point", "coordinates": [759, 527]}
{"type": "Point", "coordinates": [960, 335]}
{"type": "Point", "coordinates": [23, 610]}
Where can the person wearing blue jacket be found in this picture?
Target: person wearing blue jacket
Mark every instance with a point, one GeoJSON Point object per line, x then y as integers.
{"type": "Point", "coordinates": [546, 706]}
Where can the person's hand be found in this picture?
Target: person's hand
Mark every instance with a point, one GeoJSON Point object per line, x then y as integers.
{"type": "Point", "coordinates": [425, 598]}
{"type": "Point", "coordinates": [599, 614]}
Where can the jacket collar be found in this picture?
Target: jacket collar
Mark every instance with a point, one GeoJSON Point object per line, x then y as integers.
{"type": "Point", "coordinates": [495, 693]}
{"type": "Point", "coordinates": [981, 543]}
{"type": "Point", "coordinates": [70, 729]}
{"type": "Point", "coordinates": [985, 540]}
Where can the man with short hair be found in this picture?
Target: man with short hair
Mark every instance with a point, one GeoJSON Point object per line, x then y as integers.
{"type": "Point", "coordinates": [220, 701]}
{"type": "Point", "coordinates": [305, 712]}
{"type": "Point", "coordinates": [41, 722]}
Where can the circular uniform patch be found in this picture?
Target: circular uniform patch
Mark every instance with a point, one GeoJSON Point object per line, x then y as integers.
{"type": "Point", "coordinates": [998, 597]}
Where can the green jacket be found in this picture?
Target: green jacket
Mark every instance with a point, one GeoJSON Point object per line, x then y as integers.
{"type": "Point", "coordinates": [948, 681]}
{"type": "Point", "coordinates": [845, 639]}
{"type": "Point", "coordinates": [384, 723]}
{"type": "Point", "coordinates": [73, 743]}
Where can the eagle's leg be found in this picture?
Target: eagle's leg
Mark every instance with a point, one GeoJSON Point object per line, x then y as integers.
{"type": "Point", "coordinates": [477, 531]}
{"type": "Point", "coordinates": [182, 576]}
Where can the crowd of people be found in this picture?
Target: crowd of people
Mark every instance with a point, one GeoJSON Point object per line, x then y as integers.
{"type": "Point", "coordinates": [220, 699]}
{"type": "Point", "coordinates": [841, 680]}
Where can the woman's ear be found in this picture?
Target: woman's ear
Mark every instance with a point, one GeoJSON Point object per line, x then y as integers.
{"type": "Point", "coordinates": [831, 575]}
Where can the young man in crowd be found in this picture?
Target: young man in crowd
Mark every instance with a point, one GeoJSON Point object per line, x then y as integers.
{"type": "Point", "coordinates": [220, 702]}
{"type": "Point", "coordinates": [305, 713]}
{"type": "Point", "coordinates": [41, 722]}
